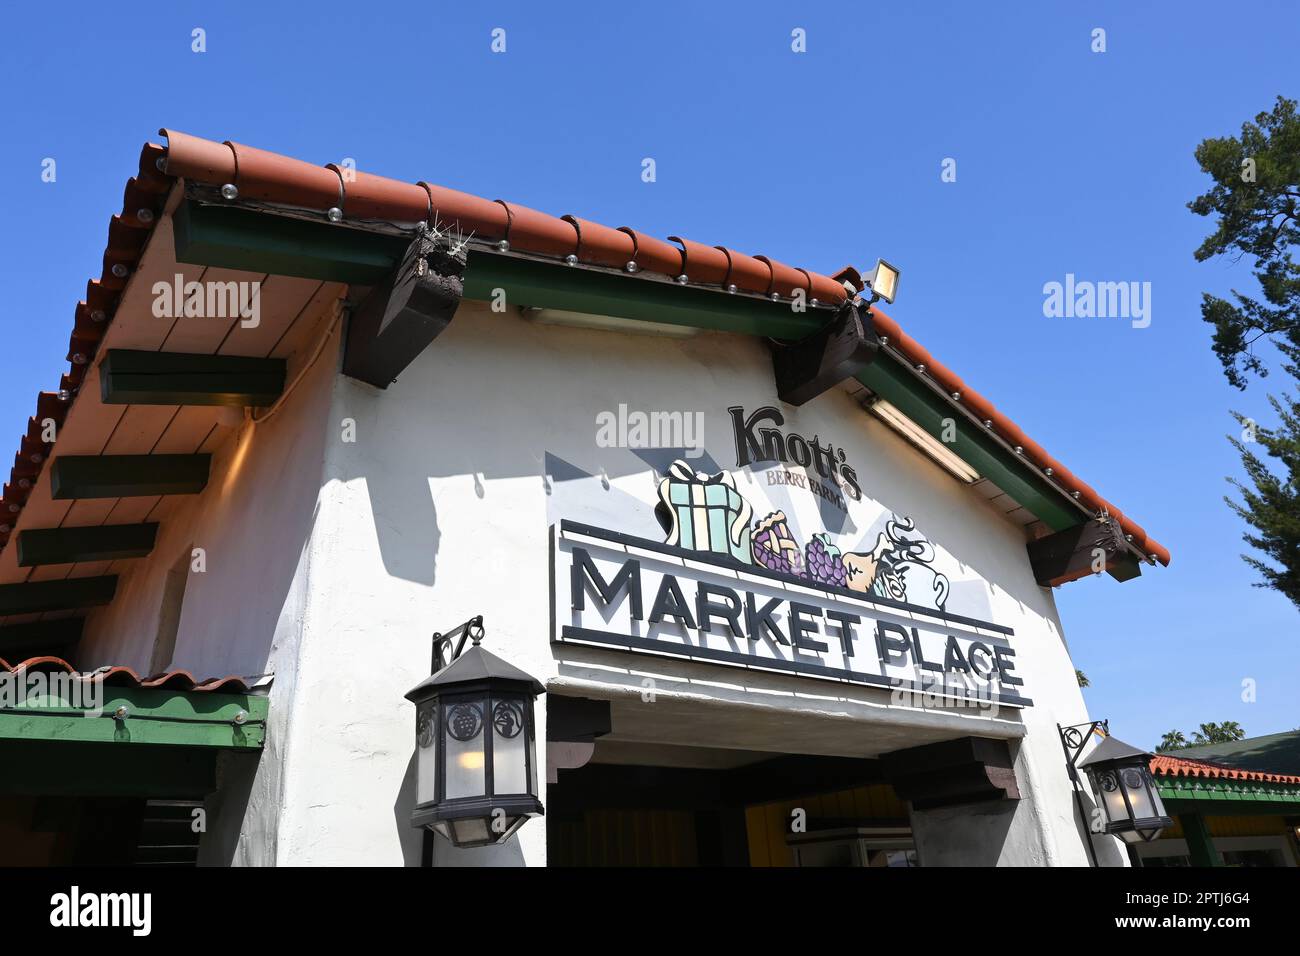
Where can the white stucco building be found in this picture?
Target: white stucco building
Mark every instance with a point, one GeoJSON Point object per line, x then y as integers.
{"type": "Point", "coordinates": [785, 579]}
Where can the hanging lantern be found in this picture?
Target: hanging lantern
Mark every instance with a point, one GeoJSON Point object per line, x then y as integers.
{"type": "Point", "coordinates": [476, 749]}
{"type": "Point", "coordinates": [1126, 791]}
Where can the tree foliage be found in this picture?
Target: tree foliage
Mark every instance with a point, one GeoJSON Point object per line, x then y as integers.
{"type": "Point", "coordinates": [1255, 200]}
{"type": "Point", "coordinates": [1210, 733]}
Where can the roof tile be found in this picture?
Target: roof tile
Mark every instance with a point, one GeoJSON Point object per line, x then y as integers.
{"type": "Point", "coordinates": [367, 196]}
{"type": "Point", "coordinates": [271, 177]}
{"type": "Point", "coordinates": [118, 676]}
{"type": "Point", "coordinates": [601, 244]}
{"type": "Point", "coordinates": [1167, 766]}
{"type": "Point", "coordinates": [483, 218]}
{"type": "Point", "coordinates": [533, 231]}
{"type": "Point", "coordinates": [655, 255]}
{"type": "Point", "coordinates": [707, 265]}
{"type": "Point", "coordinates": [747, 273]}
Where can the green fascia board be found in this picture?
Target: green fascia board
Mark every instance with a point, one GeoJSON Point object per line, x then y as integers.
{"type": "Point", "coordinates": [898, 386]}
{"type": "Point", "coordinates": [155, 716]}
{"type": "Point", "coordinates": [543, 285]}
{"type": "Point", "coordinates": [169, 378]}
{"type": "Point", "coordinates": [260, 242]}
{"type": "Point", "coordinates": [126, 476]}
{"type": "Point", "coordinates": [1227, 795]}
{"type": "Point", "coordinates": [35, 597]}
{"type": "Point", "coordinates": [235, 238]}
{"type": "Point", "coordinates": [1246, 808]}
{"type": "Point", "coordinates": [93, 543]}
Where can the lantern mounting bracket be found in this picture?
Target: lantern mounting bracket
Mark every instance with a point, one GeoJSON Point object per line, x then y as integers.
{"type": "Point", "coordinates": [1073, 739]}
{"type": "Point", "coordinates": [448, 647]}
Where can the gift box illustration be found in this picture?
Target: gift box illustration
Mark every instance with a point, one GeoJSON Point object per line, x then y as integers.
{"type": "Point", "coordinates": [705, 512]}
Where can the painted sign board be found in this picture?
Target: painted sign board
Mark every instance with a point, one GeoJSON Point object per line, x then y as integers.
{"type": "Point", "coordinates": [735, 579]}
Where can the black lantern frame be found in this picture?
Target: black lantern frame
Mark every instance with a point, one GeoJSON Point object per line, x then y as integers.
{"type": "Point", "coordinates": [476, 739]}
{"type": "Point", "coordinates": [1121, 782]}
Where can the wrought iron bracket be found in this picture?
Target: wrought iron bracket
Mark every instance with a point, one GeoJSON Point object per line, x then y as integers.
{"type": "Point", "coordinates": [1073, 739]}
{"type": "Point", "coordinates": [447, 647]}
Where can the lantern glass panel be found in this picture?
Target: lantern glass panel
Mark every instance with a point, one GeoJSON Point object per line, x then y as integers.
{"type": "Point", "coordinates": [1111, 792]}
{"type": "Point", "coordinates": [426, 760]}
{"type": "Point", "coordinates": [509, 746]}
{"type": "Point", "coordinates": [1139, 794]}
{"type": "Point", "coordinates": [472, 830]}
{"type": "Point", "coordinates": [463, 725]}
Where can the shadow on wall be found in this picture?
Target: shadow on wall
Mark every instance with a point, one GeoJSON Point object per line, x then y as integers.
{"type": "Point", "coordinates": [498, 397]}
{"type": "Point", "coordinates": [409, 838]}
{"type": "Point", "coordinates": [224, 810]}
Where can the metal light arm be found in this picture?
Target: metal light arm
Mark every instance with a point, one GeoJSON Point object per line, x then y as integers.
{"type": "Point", "coordinates": [444, 653]}
{"type": "Point", "coordinates": [1073, 740]}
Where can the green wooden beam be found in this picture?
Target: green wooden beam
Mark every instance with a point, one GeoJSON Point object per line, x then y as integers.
{"type": "Point", "coordinates": [153, 717]}
{"type": "Point", "coordinates": [1200, 845]}
{"type": "Point", "coordinates": [126, 476]}
{"type": "Point", "coordinates": [39, 637]}
{"type": "Point", "coordinates": [171, 378]}
{"type": "Point", "coordinates": [544, 285]}
{"type": "Point", "coordinates": [95, 543]}
{"type": "Point", "coordinates": [234, 238]}
{"type": "Point", "coordinates": [39, 596]}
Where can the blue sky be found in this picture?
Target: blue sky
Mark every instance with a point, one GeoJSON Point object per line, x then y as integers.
{"type": "Point", "coordinates": [1068, 161]}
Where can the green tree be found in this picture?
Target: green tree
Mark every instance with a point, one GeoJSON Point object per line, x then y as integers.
{"type": "Point", "coordinates": [1173, 740]}
{"type": "Point", "coordinates": [1255, 200]}
{"type": "Point", "coordinates": [1223, 733]}
{"type": "Point", "coordinates": [1082, 678]}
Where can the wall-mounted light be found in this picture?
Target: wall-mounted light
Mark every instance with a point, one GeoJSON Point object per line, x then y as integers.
{"type": "Point", "coordinates": [918, 436]}
{"type": "Point", "coordinates": [1121, 782]}
{"type": "Point", "coordinates": [1126, 791]}
{"type": "Point", "coordinates": [884, 282]}
{"type": "Point", "coordinates": [476, 745]}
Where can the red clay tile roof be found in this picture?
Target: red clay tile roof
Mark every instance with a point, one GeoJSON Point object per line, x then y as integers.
{"type": "Point", "coordinates": [269, 177]}
{"type": "Point", "coordinates": [126, 677]}
{"type": "Point", "coordinates": [1166, 766]}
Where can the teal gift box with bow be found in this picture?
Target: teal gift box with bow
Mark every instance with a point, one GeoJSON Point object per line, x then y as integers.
{"type": "Point", "coordinates": [706, 512]}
